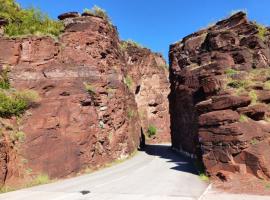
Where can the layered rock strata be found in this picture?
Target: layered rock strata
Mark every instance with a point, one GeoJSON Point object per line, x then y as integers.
{"type": "Point", "coordinates": [219, 101]}
{"type": "Point", "coordinates": [81, 120]}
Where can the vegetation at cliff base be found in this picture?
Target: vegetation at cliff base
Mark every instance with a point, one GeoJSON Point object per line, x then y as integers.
{"type": "Point", "coordinates": [29, 21]}
{"type": "Point", "coordinates": [39, 180]}
{"type": "Point", "coordinates": [151, 131]}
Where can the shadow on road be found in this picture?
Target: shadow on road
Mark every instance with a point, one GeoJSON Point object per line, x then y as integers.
{"type": "Point", "coordinates": [182, 163]}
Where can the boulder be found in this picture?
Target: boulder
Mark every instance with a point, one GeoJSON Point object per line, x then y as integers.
{"type": "Point", "coordinates": [218, 118]}
{"type": "Point", "coordinates": [68, 15]}
{"type": "Point", "coordinates": [255, 112]}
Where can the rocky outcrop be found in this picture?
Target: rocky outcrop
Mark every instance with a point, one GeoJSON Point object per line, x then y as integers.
{"type": "Point", "coordinates": [147, 75]}
{"type": "Point", "coordinates": [81, 120]}
{"type": "Point", "coordinates": [219, 97]}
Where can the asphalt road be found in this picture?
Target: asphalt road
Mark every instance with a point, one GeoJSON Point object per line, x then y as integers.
{"type": "Point", "coordinates": [156, 174]}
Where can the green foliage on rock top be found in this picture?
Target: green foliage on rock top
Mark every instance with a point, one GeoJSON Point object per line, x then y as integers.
{"type": "Point", "coordinates": [99, 12]}
{"type": "Point", "coordinates": [27, 21]}
{"type": "Point", "coordinates": [262, 31]}
{"type": "Point", "coordinates": [125, 44]}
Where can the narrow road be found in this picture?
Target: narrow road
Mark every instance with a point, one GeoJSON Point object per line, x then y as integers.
{"type": "Point", "coordinates": [156, 174]}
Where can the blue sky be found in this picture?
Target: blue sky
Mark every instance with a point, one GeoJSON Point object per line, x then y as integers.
{"type": "Point", "coordinates": [158, 23]}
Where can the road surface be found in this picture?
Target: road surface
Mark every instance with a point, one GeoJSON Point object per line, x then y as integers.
{"type": "Point", "coordinates": [156, 174]}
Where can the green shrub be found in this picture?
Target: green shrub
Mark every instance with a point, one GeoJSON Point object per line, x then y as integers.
{"type": "Point", "coordinates": [254, 97]}
{"type": "Point", "coordinates": [27, 21]}
{"type": "Point", "coordinates": [125, 44]}
{"type": "Point", "coordinates": [254, 141]}
{"type": "Point", "coordinates": [267, 185]}
{"type": "Point", "coordinates": [243, 118]}
{"type": "Point", "coordinates": [6, 189]}
{"type": "Point", "coordinates": [128, 82]}
{"type": "Point", "coordinates": [99, 12]}
{"type": "Point", "coordinates": [39, 180]}
{"type": "Point", "coordinates": [4, 80]}
{"type": "Point", "coordinates": [15, 103]}
{"type": "Point", "coordinates": [237, 84]}
{"type": "Point", "coordinates": [131, 113]}
{"type": "Point", "coordinates": [18, 136]}
{"type": "Point", "coordinates": [262, 31]}
{"type": "Point", "coordinates": [90, 88]}
{"type": "Point", "coordinates": [151, 131]}
{"type": "Point", "coordinates": [267, 85]}
{"type": "Point", "coordinates": [11, 105]}
{"type": "Point", "coordinates": [231, 72]}
{"type": "Point", "coordinates": [204, 177]}
{"type": "Point", "coordinates": [29, 96]}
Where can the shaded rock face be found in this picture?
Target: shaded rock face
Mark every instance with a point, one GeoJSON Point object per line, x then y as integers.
{"type": "Point", "coordinates": [148, 75]}
{"type": "Point", "coordinates": [82, 118]}
{"type": "Point", "coordinates": [219, 97]}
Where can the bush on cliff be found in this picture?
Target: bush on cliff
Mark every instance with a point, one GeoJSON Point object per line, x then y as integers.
{"type": "Point", "coordinates": [4, 80]}
{"type": "Point", "coordinates": [99, 12]}
{"type": "Point", "coordinates": [127, 43]}
{"type": "Point", "coordinates": [15, 103]}
{"type": "Point", "coordinates": [27, 21]}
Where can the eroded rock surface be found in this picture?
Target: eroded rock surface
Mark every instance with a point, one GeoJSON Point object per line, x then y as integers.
{"type": "Point", "coordinates": [148, 76]}
{"type": "Point", "coordinates": [81, 120]}
{"type": "Point", "coordinates": [219, 97]}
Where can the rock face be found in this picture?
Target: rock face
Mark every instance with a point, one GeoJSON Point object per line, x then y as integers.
{"type": "Point", "coordinates": [219, 97]}
{"type": "Point", "coordinates": [148, 77]}
{"type": "Point", "coordinates": [81, 120]}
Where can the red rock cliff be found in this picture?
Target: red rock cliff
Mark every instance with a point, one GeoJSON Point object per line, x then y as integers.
{"type": "Point", "coordinates": [219, 101]}
{"type": "Point", "coordinates": [81, 120]}
{"type": "Point", "coordinates": [148, 76]}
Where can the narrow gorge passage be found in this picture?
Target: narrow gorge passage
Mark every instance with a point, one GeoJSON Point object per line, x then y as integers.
{"type": "Point", "coordinates": [156, 173]}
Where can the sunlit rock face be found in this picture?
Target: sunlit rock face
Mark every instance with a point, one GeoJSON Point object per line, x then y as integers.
{"type": "Point", "coordinates": [220, 95]}
{"type": "Point", "coordinates": [81, 120]}
{"type": "Point", "coordinates": [148, 74]}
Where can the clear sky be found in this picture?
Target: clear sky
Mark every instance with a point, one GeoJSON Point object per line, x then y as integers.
{"type": "Point", "coordinates": [158, 23]}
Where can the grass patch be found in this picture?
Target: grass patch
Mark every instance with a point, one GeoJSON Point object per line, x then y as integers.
{"type": "Point", "coordinates": [236, 84]}
{"type": "Point", "coordinates": [254, 141]}
{"type": "Point", "coordinates": [125, 44]}
{"type": "Point", "coordinates": [130, 113]}
{"type": "Point", "coordinates": [230, 72]}
{"type": "Point", "coordinates": [18, 136]}
{"type": "Point", "coordinates": [99, 12]}
{"type": "Point", "coordinates": [267, 185]}
{"type": "Point", "coordinates": [254, 97]}
{"type": "Point", "coordinates": [128, 82]}
{"type": "Point", "coordinates": [262, 31]}
{"type": "Point", "coordinates": [39, 180]}
{"type": "Point", "coordinates": [243, 118]}
{"type": "Point", "coordinates": [27, 21]}
{"type": "Point", "coordinates": [151, 131]}
{"type": "Point", "coordinates": [90, 88]}
{"type": "Point", "coordinates": [4, 80]}
{"type": "Point", "coordinates": [204, 177]}
{"type": "Point", "coordinates": [6, 189]}
{"type": "Point", "coordinates": [267, 85]}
